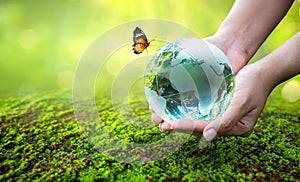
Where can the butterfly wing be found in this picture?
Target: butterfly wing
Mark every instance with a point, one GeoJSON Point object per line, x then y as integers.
{"type": "Point", "coordinates": [139, 34]}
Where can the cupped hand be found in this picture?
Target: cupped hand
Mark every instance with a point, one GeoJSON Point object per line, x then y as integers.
{"type": "Point", "coordinates": [238, 59]}
{"type": "Point", "coordinates": [250, 95]}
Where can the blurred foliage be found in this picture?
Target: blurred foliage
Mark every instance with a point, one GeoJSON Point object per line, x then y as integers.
{"type": "Point", "coordinates": [41, 42]}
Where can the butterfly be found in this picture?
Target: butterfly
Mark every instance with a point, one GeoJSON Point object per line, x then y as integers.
{"type": "Point", "coordinates": [140, 41]}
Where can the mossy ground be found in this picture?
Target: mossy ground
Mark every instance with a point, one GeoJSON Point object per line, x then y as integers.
{"type": "Point", "coordinates": [41, 140]}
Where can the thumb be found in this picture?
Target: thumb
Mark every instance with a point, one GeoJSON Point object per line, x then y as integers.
{"type": "Point", "coordinates": [224, 123]}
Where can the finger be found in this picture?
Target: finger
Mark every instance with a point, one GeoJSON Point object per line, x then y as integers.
{"type": "Point", "coordinates": [165, 126]}
{"type": "Point", "coordinates": [238, 108]}
{"type": "Point", "coordinates": [244, 126]}
{"type": "Point", "coordinates": [239, 130]}
{"type": "Point", "coordinates": [156, 119]}
{"type": "Point", "coordinates": [210, 131]}
{"type": "Point", "coordinates": [189, 126]}
{"type": "Point", "coordinates": [150, 109]}
{"type": "Point", "coordinates": [226, 122]}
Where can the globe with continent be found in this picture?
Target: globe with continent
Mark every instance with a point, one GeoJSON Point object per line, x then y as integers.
{"type": "Point", "coordinates": [189, 79]}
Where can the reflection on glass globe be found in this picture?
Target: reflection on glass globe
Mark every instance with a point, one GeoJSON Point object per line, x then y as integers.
{"type": "Point", "coordinates": [189, 79]}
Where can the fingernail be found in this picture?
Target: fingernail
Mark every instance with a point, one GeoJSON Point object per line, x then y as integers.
{"type": "Point", "coordinates": [160, 129]}
{"type": "Point", "coordinates": [210, 134]}
{"type": "Point", "coordinates": [172, 126]}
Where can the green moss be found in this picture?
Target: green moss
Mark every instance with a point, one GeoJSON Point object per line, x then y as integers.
{"type": "Point", "coordinates": [41, 140]}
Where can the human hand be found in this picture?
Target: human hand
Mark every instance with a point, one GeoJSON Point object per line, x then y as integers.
{"type": "Point", "coordinates": [251, 92]}
{"type": "Point", "coordinates": [238, 59]}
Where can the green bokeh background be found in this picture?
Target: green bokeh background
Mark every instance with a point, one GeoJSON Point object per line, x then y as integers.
{"type": "Point", "coordinates": [41, 42]}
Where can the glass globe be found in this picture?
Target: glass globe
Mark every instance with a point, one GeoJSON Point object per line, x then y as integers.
{"type": "Point", "coordinates": [189, 79]}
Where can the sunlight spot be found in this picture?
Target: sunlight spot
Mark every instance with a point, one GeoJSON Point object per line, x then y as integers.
{"type": "Point", "coordinates": [291, 91]}
{"type": "Point", "coordinates": [28, 38]}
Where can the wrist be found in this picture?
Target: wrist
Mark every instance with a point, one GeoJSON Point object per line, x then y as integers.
{"type": "Point", "coordinates": [245, 29]}
{"type": "Point", "coordinates": [265, 72]}
{"type": "Point", "coordinates": [235, 40]}
{"type": "Point", "coordinates": [281, 64]}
